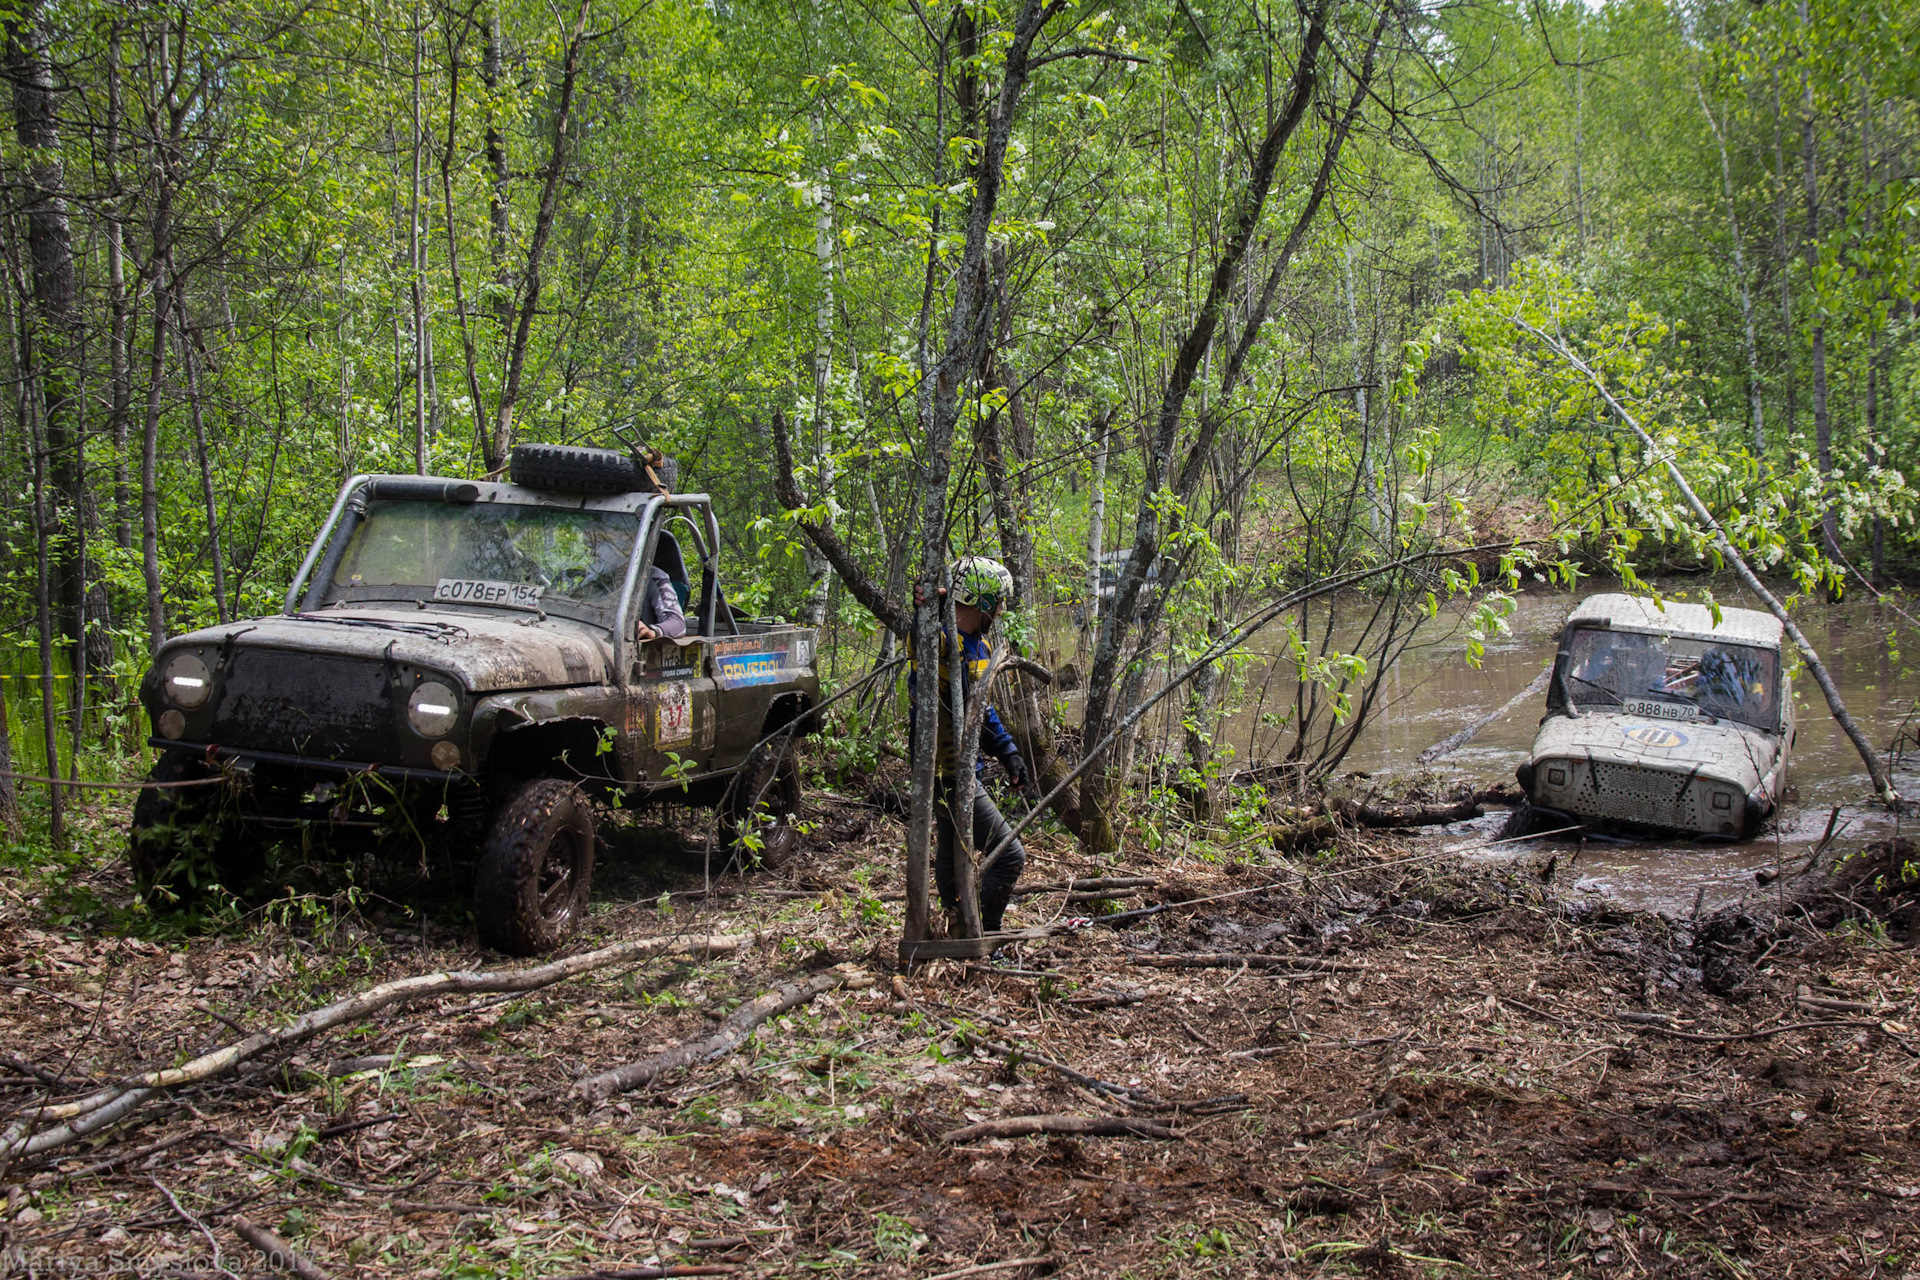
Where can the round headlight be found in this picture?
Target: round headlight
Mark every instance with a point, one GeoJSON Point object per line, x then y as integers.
{"type": "Point", "coordinates": [433, 709]}
{"type": "Point", "coordinates": [187, 682]}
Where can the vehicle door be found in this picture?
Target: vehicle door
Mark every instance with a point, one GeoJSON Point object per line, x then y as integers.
{"type": "Point", "coordinates": [670, 698]}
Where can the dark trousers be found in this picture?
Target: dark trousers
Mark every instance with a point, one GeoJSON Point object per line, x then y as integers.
{"type": "Point", "coordinates": [989, 829]}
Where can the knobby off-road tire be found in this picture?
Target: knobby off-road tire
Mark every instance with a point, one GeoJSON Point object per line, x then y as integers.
{"type": "Point", "coordinates": [180, 845]}
{"type": "Point", "coordinates": [564, 468]}
{"type": "Point", "coordinates": [536, 869]}
{"type": "Point", "coordinates": [762, 806]}
{"type": "Point", "coordinates": [1523, 822]}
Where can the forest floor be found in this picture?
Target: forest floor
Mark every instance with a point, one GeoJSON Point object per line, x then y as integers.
{"type": "Point", "coordinates": [1428, 1075]}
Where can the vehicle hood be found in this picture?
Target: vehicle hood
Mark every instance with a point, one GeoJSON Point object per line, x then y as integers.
{"type": "Point", "coordinates": [1723, 749]}
{"type": "Point", "coordinates": [488, 654]}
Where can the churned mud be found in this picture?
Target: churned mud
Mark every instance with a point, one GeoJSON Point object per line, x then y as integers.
{"type": "Point", "coordinates": [1371, 1061]}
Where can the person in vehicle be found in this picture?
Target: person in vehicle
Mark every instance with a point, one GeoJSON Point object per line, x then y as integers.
{"type": "Point", "coordinates": [1728, 677]}
{"type": "Point", "coordinates": [662, 601]}
{"type": "Point", "coordinates": [981, 588]}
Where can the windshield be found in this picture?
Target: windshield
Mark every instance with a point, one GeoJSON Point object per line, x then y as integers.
{"type": "Point", "coordinates": [1674, 677]}
{"type": "Point", "coordinates": [494, 554]}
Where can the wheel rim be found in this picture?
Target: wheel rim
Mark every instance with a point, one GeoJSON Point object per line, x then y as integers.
{"type": "Point", "coordinates": [561, 873]}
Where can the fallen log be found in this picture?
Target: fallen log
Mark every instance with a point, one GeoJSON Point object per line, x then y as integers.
{"type": "Point", "coordinates": [1234, 960]}
{"type": "Point", "coordinates": [96, 1111]}
{"type": "Point", "coordinates": [1105, 999]}
{"type": "Point", "coordinates": [655, 1273]}
{"type": "Point", "coordinates": [1123, 1093]}
{"type": "Point", "coordinates": [1087, 884]}
{"type": "Point", "coordinates": [281, 1256]}
{"type": "Point", "coordinates": [1091, 1126]}
{"type": "Point", "coordinates": [1402, 815]}
{"type": "Point", "coordinates": [602, 1085]}
{"type": "Point", "coordinates": [1453, 742]}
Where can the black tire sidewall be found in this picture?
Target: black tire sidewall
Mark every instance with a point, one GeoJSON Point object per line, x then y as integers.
{"type": "Point", "coordinates": [770, 782]}
{"type": "Point", "coordinates": [537, 823]}
{"type": "Point", "coordinates": [156, 858]}
{"type": "Point", "coordinates": [561, 468]}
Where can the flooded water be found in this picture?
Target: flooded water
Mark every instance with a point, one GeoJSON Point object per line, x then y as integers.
{"type": "Point", "coordinates": [1431, 691]}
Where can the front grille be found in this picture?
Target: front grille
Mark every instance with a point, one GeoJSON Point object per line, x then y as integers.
{"type": "Point", "coordinates": [307, 705]}
{"type": "Point", "coordinates": [1633, 793]}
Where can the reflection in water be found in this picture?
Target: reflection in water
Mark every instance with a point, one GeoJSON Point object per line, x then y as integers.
{"type": "Point", "coordinates": [1432, 691]}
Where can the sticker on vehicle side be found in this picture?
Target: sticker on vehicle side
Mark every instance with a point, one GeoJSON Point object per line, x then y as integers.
{"type": "Point", "coordinates": [514, 595]}
{"type": "Point", "coordinates": [1655, 735]}
{"type": "Point", "coordinates": [737, 671]}
{"type": "Point", "coordinates": [674, 723]}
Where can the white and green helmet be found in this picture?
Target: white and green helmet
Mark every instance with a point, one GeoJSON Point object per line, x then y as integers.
{"type": "Point", "coordinates": [983, 583]}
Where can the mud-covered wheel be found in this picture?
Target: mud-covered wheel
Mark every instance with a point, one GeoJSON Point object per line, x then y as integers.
{"type": "Point", "coordinates": [1524, 821]}
{"type": "Point", "coordinates": [180, 845]}
{"type": "Point", "coordinates": [761, 807]}
{"type": "Point", "coordinates": [565, 468]}
{"type": "Point", "coordinates": [536, 870]}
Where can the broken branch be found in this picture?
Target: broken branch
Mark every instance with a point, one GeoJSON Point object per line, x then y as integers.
{"type": "Point", "coordinates": [281, 1256]}
{"type": "Point", "coordinates": [597, 1088]}
{"type": "Point", "coordinates": [108, 1106]}
{"type": "Point", "coordinates": [1093, 1126]}
{"type": "Point", "coordinates": [1231, 960]}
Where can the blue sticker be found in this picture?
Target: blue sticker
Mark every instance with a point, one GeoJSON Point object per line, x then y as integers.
{"type": "Point", "coordinates": [737, 671]}
{"type": "Point", "coordinates": [1656, 735]}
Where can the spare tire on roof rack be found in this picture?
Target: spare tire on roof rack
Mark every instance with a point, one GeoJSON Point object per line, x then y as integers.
{"type": "Point", "coordinates": [566, 468]}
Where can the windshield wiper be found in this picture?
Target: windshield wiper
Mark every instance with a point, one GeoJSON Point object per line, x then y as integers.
{"type": "Point", "coordinates": [1617, 699]}
{"type": "Point", "coordinates": [445, 632]}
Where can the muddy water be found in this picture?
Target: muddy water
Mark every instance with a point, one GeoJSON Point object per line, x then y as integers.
{"type": "Point", "coordinates": [1434, 692]}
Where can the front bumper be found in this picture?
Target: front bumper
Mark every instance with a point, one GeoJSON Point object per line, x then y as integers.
{"type": "Point", "coordinates": [310, 764]}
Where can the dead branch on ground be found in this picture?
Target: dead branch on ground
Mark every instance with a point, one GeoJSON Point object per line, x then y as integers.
{"type": "Point", "coordinates": [1092, 1126]}
{"type": "Point", "coordinates": [602, 1085]}
{"type": "Point", "coordinates": [281, 1256]}
{"type": "Point", "coordinates": [96, 1111]}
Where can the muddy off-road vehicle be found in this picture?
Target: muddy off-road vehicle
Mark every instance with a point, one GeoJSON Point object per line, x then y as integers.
{"type": "Point", "coordinates": [468, 657]}
{"type": "Point", "coordinates": [1661, 720]}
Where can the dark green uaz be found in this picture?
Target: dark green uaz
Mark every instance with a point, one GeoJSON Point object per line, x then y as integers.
{"type": "Point", "coordinates": [473, 653]}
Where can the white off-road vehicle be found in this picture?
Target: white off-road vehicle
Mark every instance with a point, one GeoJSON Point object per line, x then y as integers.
{"type": "Point", "coordinates": [1662, 718]}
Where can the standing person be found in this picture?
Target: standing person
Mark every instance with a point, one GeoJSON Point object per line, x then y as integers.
{"type": "Point", "coordinates": [981, 588]}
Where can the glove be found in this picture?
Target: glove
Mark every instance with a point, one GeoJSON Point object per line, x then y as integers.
{"type": "Point", "coordinates": [1016, 769]}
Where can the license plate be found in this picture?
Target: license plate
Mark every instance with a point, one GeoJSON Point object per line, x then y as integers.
{"type": "Point", "coordinates": [512, 595]}
{"type": "Point", "coordinates": [1660, 710]}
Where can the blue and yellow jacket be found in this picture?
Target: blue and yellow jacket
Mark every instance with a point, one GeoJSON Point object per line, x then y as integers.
{"type": "Point", "coordinates": [975, 657]}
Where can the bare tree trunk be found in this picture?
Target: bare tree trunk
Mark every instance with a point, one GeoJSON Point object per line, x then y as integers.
{"type": "Point", "coordinates": [1783, 253]}
{"type": "Point", "coordinates": [819, 571]}
{"type": "Point", "coordinates": [119, 313]}
{"type": "Point", "coordinates": [1096, 518]}
{"type": "Point", "coordinates": [1755, 414]}
{"type": "Point", "coordinates": [491, 77]}
{"type": "Point", "coordinates": [467, 348]}
{"type": "Point", "coordinates": [27, 400]}
{"type": "Point", "coordinates": [1822, 421]}
{"type": "Point", "coordinates": [960, 361]}
{"type": "Point", "coordinates": [9, 790]}
{"type": "Point", "coordinates": [196, 415]}
{"type": "Point", "coordinates": [150, 470]}
{"type": "Point", "coordinates": [162, 182]}
{"type": "Point", "coordinates": [52, 329]}
{"type": "Point", "coordinates": [557, 159]}
{"type": "Point", "coordinates": [1101, 784]}
{"type": "Point", "coordinates": [416, 264]}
